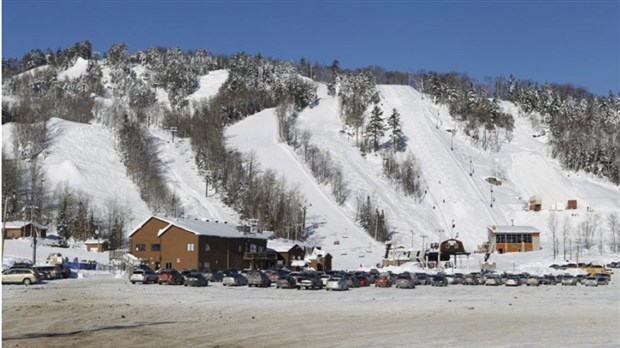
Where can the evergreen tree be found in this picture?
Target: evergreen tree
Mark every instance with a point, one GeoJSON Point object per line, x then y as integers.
{"type": "Point", "coordinates": [375, 128]}
{"type": "Point", "coordinates": [394, 125]}
{"type": "Point", "coordinates": [63, 220]}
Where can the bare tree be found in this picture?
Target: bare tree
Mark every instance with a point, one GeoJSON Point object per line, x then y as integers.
{"type": "Point", "coordinates": [553, 228]}
{"type": "Point", "coordinates": [614, 229]}
{"type": "Point", "coordinates": [566, 231]}
{"type": "Point", "coordinates": [587, 230]}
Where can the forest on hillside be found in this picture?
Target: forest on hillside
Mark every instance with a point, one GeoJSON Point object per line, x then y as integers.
{"type": "Point", "coordinates": [584, 129]}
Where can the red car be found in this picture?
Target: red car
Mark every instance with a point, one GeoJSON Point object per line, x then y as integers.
{"type": "Point", "coordinates": [363, 280]}
{"type": "Point", "coordinates": [383, 281]}
{"type": "Point", "coordinates": [170, 277]}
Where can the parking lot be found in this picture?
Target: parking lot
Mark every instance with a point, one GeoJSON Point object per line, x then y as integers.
{"type": "Point", "coordinates": [104, 311]}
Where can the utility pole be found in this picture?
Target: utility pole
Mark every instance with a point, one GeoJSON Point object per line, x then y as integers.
{"type": "Point", "coordinates": [412, 240]}
{"type": "Point", "coordinates": [33, 233]}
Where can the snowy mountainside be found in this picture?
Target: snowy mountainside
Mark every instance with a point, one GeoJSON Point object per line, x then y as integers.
{"type": "Point", "coordinates": [85, 156]}
{"type": "Point", "coordinates": [454, 196]}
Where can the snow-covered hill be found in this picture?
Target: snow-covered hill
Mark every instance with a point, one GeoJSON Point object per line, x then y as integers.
{"type": "Point", "coordinates": [85, 157]}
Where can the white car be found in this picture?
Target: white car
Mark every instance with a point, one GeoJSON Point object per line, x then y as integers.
{"type": "Point", "coordinates": [512, 281]}
{"type": "Point", "coordinates": [590, 281]}
{"type": "Point", "coordinates": [235, 279]}
{"type": "Point", "coordinates": [336, 283]}
{"type": "Point", "coordinates": [143, 276]}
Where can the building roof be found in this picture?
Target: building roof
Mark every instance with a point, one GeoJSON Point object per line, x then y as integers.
{"type": "Point", "coordinates": [513, 229]}
{"type": "Point", "coordinates": [20, 224]}
{"type": "Point", "coordinates": [200, 227]}
{"type": "Point", "coordinates": [281, 245]}
{"type": "Point", "coordinates": [96, 241]}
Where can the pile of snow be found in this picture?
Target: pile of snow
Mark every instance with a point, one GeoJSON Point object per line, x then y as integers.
{"type": "Point", "coordinates": [76, 71]}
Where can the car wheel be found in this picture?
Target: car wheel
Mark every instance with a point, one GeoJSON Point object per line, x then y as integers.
{"type": "Point", "coordinates": [133, 282]}
{"type": "Point", "coordinates": [27, 281]}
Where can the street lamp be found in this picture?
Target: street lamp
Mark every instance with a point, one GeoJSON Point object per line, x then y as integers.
{"type": "Point", "coordinates": [99, 248]}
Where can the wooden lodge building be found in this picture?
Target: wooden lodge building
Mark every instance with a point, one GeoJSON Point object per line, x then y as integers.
{"type": "Point", "coordinates": [20, 229]}
{"type": "Point", "coordinates": [187, 243]}
{"type": "Point", "coordinates": [510, 239]}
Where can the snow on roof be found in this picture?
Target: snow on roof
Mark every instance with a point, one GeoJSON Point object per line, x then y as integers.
{"type": "Point", "coordinates": [280, 245]}
{"type": "Point", "coordinates": [513, 229]}
{"type": "Point", "coordinates": [202, 228]}
{"type": "Point", "coordinates": [96, 241]}
{"type": "Point", "coordinates": [20, 224]}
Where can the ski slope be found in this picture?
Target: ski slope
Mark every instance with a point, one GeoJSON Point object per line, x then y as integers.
{"type": "Point", "coordinates": [454, 169]}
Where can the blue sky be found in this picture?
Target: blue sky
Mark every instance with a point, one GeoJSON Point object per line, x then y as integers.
{"type": "Point", "coordinates": [575, 42]}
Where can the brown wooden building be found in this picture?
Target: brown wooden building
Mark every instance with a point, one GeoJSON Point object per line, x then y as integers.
{"type": "Point", "coordinates": [19, 229]}
{"type": "Point", "coordinates": [185, 243]}
{"type": "Point", "coordinates": [98, 245]}
{"type": "Point", "coordinates": [319, 260]}
{"type": "Point", "coordinates": [286, 252]}
{"type": "Point", "coordinates": [510, 239]}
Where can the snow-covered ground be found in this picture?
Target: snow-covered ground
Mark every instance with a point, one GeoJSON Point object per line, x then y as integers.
{"type": "Point", "coordinates": [100, 310]}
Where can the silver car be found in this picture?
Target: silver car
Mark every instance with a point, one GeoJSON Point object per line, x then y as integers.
{"type": "Point", "coordinates": [143, 276]}
{"type": "Point", "coordinates": [24, 276]}
{"type": "Point", "coordinates": [590, 281]}
{"type": "Point", "coordinates": [235, 279]}
{"type": "Point", "coordinates": [336, 283]}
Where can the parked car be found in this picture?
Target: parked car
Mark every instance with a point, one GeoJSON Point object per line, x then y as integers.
{"type": "Point", "coordinates": [337, 283]}
{"type": "Point", "coordinates": [591, 281]}
{"type": "Point", "coordinates": [274, 275]}
{"type": "Point", "coordinates": [213, 276]}
{"type": "Point", "coordinates": [473, 279]}
{"type": "Point", "coordinates": [439, 279]}
{"type": "Point", "coordinates": [568, 279]}
{"type": "Point", "coordinates": [533, 280]}
{"type": "Point", "coordinates": [581, 278]}
{"type": "Point", "coordinates": [24, 276]}
{"type": "Point", "coordinates": [459, 278]}
{"type": "Point", "coordinates": [170, 277]}
{"type": "Point", "coordinates": [362, 280]}
{"type": "Point", "coordinates": [310, 281]}
{"type": "Point", "coordinates": [492, 280]}
{"type": "Point", "coordinates": [324, 279]}
{"type": "Point", "coordinates": [143, 276]}
{"type": "Point", "coordinates": [383, 280]}
{"type": "Point", "coordinates": [352, 280]}
{"type": "Point", "coordinates": [548, 279]}
{"type": "Point", "coordinates": [235, 279]}
{"type": "Point", "coordinates": [602, 279]}
{"type": "Point", "coordinates": [422, 278]}
{"type": "Point", "coordinates": [405, 281]}
{"type": "Point", "coordinates": [195, 279]}
{"type": "Point", "coordinates": [185, 272]}
{"type": "Point", "coordinates": [286, 282]}
{"type": "Point", "coordinates": [258, 278]}
{"type": "Point", "coordinates": [512, 281]}
{"type": "Point", "coordinates": [44, 272]}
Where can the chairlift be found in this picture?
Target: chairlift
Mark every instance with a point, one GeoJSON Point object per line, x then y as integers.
{"type": "Point", "coordinates": [336, 242]}
{"type": "Point", "coordinates": [361, 255]}
{"type": "Point", "coordinates": [345, 235]}
{"type": "Point", "coordinates": [344, 253]}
